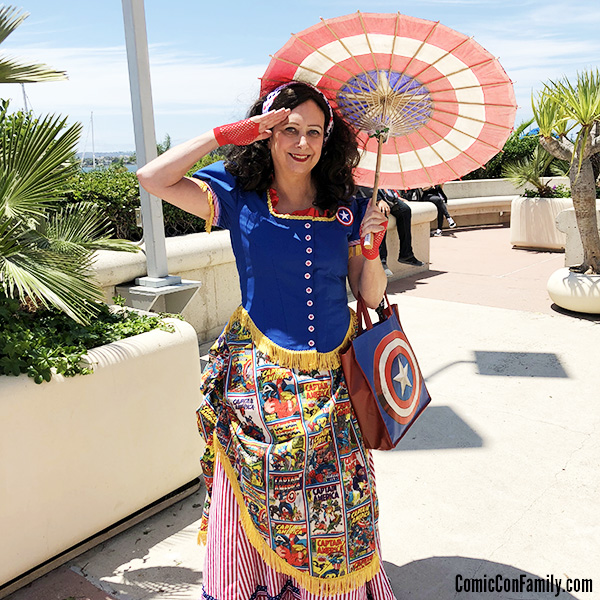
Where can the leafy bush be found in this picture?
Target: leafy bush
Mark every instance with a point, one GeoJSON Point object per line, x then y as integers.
{"type": "Point", "coordinates": [516, 148]}
{"type": "Point", "coordinates": [115, 192]}
{"type": "Point", "coordinates": [555, 191]}
{"type": "Point", "coordinates": [47, 341]}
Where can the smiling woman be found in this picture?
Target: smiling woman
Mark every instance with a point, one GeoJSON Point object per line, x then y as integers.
{"type": "Point", "coordinates": [291, 504]}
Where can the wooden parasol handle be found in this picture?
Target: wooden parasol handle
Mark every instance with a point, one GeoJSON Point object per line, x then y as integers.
{"type": "Point", "coordinates": [368, 243]}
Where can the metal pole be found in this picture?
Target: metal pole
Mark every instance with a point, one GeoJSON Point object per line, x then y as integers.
{"type": "Point", "coordinates": [145, 141]}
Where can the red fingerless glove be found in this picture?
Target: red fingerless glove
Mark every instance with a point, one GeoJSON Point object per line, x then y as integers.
{"type": "Point", "coordinates": [373, 252]}
{"type": "Point", "coordinates": [241, 133]}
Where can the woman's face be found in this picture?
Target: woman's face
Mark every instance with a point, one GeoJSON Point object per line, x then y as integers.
{"type": "Point", "coordinates": [296, 144]}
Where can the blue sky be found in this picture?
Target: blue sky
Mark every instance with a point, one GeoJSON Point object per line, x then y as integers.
{"type": "Point", "coordinates": [206, 56]}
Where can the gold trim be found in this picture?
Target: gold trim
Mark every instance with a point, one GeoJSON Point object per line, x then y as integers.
{"type": "Point", "coordinates": [208, 223]}
{"type": "Point", "coordinates": [297, 217]}
{"type": "Point", "coordinates": [305, 360]}
{"type": "Point", "coordinates": [314, 585]}
{"type": "Point", "coordinates": [355, 250]}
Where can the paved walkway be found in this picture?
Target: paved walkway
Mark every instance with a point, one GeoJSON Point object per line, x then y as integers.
{"type": "Point", "coordinates": [501, 475]}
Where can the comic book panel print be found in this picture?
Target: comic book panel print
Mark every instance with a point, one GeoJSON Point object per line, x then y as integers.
{"type": "Point", "coordinates": [288, 456]}
{"type": "Point", "coordinates": [317, 416]}
{"type": "Point", "coordinates": [257, 507]}
{"type": "Point", "coordinates": [314, 394]}
{"type": "Point", "coordinates": [328, 556]}
{"type": "Point", "coordinates": [286, 498]}
{"type": "Point", "coordinates": [361, 537]}
{"type": "Point", "coordinates": [345, 436]}
{"type": "Point", "coordinates": [241, 370]}
{"type": "Point", "coordinates": [325, 509]}
{"type": "Point", "coordinates": [289, 541]}
{"type": "Point", "coordinates": [250, 462]}
{"type": "Point", "coordinates": [356, 480]}
{"type": "Point", "coordinates": [278, 394]}
{"type": "Point", "coordinates": [321, 464]}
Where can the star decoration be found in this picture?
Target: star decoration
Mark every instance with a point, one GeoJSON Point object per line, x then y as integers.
{"type": "Point", "coordinates": [402, 377]}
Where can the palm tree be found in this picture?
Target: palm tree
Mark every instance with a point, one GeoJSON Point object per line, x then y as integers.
{"type": "Point", "coordinates": [530, 170]}
{"type": "Point", "coordinates": [46, 249]}
{"type": "Point", "coordinates": [16, 72]}
{"type": "Point", "coordinates": [560, 108]}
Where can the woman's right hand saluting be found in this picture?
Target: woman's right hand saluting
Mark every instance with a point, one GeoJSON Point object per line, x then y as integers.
{"type": "Point", "coordinates": [253, 129]}
{"type": "Point", "coordinates": [165, 176]}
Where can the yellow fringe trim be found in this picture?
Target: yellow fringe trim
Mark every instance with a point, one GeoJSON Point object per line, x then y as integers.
{"type": "Point", "coordinates": [315, 585]}
{"type": "Point", "coordinates": [211, 202]}
{"type": "Point", "coordinates": [305, 360]}
{"type": "Point", "coordinates": [355, 250]}
{"type": "Point", "coordinates": [202, 537]}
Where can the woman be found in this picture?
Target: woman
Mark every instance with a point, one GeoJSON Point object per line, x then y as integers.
{"type": "Point", "coordinates": [290, 487]}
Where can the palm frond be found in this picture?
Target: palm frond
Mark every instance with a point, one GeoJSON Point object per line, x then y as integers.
{"type": "Point", "coordinates": [79, 227]}
{"type": "Point", "coordinates": [529, 170]}
{"type": "Point", "coordinates": [582, 101]}
{"type": "Point", "coordinates": [47, 277]}
{"type": "Point", "coordinates": [35, 162]}
{"type": "Point", "coordinates": [549, 113]}
{"type": "Point", "coordinates": [10, 19]}
{"type": "Point", "coordinates": [12, 71]}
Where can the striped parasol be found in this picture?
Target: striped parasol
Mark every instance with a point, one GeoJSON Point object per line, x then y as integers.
{"type": "Point", "coordinates": [430, 104]}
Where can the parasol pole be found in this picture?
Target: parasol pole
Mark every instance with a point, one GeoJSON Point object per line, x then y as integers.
{"type": "Point", "coordinates": [380, 142]}
{"type": "Point", "coordinates": [382, 137]}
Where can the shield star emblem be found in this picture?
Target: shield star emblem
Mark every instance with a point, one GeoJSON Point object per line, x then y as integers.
{"type": "Point", "coordinates": [397, 376]}
{"type": "Point", "coordinates": [344, 216]}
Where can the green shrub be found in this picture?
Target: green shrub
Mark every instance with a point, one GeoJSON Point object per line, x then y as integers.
{"type": "Point", "coordinates": [47, 341]}
{"type": "Point", "coordinates": [555, 191]}
{"type": "Point", "coordinates": [515, 148]}
{"type": "Point", "coordinates": [115, 191]}
{"type": "Point", "coordinates": [116, 194]}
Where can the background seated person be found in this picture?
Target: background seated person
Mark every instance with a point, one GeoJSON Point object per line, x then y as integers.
{"type": "Point", "coordinates": [436, 195]}
{"type": "Point", "coordinates": [390, 201]}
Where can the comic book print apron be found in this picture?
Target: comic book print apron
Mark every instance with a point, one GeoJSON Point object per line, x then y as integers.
{"type": "Point", "coordinates": [291, 448]}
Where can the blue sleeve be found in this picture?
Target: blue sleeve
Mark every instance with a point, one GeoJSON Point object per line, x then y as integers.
{"type": "Point", "coordinates": [358, 207]}
{"type": "Point", "coordinates": [223, 194]}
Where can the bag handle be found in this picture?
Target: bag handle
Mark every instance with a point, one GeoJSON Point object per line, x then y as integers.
{"type": "Point", "coordinates": [362, 312]}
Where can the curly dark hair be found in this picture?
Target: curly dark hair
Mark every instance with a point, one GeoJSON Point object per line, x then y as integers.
{"type": "Point", "coordinates": [332, 175]}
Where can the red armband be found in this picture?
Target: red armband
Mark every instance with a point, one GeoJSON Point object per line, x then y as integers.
{"type": "Point", "coordinates": [240, 133]}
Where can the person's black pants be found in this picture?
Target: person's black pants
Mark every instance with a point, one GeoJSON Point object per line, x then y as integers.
{"type": "Point", "coordinates": [403, 215]}
{"type": "Point", "coordinates": [441, 208]}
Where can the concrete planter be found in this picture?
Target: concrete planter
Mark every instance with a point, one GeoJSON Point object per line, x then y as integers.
{"type": "Point", "coordinates": [567, 223]}
{"type": "Point", "coordinates": [533, 222]}
{"type": "Point", "coordinates": [575, 291]}
{"type": "Point", "coordinates": [79, 454]}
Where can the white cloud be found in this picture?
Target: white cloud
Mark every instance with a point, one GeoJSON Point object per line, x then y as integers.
{"type": "Point", "coordinates": [206, 91]}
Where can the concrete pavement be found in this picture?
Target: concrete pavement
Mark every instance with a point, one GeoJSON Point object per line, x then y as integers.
{"type": "Point", "coordinates": [500, 476]}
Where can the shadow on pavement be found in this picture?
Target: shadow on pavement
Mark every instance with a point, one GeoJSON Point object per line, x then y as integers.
{"type": "Point", "coordinates": [411, 282]}
{"type": "Point", "coordinates": [448, 577]}
{"type": "Point", "coordinates": [439, 428]}
{"type": "Point", "coordinates": [575, 315]}
{"type": "Point", "coordinates": [519, 364]}
{"type": "Point", "coordinates": [509, 364]}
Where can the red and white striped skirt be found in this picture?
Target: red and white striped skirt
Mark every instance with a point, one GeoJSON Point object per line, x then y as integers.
{"type": "Point", "coordinates": [235, 571]}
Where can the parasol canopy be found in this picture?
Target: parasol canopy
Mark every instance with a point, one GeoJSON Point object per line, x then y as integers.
{"type": "Point", "coordinates": [432, 101]}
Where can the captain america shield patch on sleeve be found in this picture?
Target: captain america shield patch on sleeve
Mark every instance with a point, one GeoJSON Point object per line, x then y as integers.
{"type": "Point", "coordinates": [344, 216]}
{"type": "Point", "coordinates": [396, 374]}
